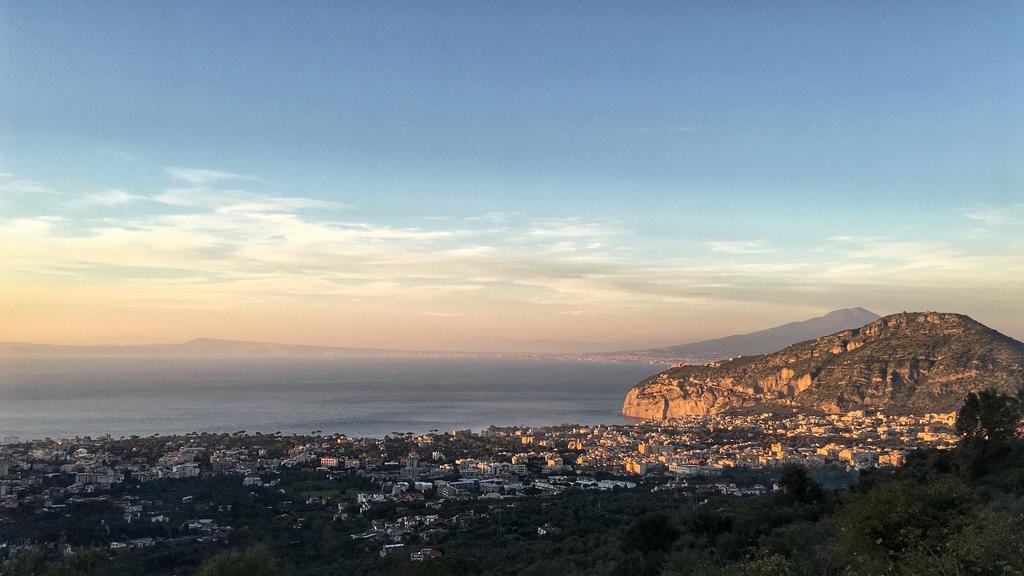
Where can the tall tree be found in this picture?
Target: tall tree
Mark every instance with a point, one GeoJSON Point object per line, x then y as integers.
{"type": "Point", "coordinates": [968, 417]}
{"type": "Point", "coordinates": [989, 415]}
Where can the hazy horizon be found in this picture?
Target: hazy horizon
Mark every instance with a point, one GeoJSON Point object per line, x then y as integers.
{"type": "Point", "coordinates": [460, 177]}
{"type": "Point", "coordinates": [496, 347]}
{"type": "Point", "coordinates": [485, 346]}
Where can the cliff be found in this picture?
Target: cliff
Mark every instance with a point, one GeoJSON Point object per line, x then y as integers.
{"type": "Point", "coordinates": [903, 363]}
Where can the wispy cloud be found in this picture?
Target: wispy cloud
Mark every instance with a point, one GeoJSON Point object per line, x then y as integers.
{"type": "Point", "coordinates": [112, 198]}
{"type": "Point", "coordinates": [271, 249]}
{"type": "Point", "coordinates": [850, 238]}
{"type": "Point", "coordinates": [203, 175]}
{"type": "Point", "coordinates": [739, 247]}
{"type": "Point", "coordinates": [232, 200]}
{"type": "Point", "coordinates": [206, 248]}
{"type": "Point", "coordinates": [574, 227]}
{"type": "Point", "coordinates": [12, 185]}
{"type": "Point", "coordinates": [1011, 213]}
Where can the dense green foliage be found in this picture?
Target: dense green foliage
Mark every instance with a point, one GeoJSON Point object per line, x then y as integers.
{"type": "Point", "coordinates": [251, 562]}
{"type": "Point", "coordinates": [32, 562]}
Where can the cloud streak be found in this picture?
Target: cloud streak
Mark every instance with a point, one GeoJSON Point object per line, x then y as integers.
{"type": "Point", "coordinates": [11, 185]}
{"type": "Point", "coordinates": [739, 247]}
{"type": "Point", "coordinates": [203, 175]}
{"type": "Point", "coordinates": [111, 198]}
{"type": "Point", "coordinates": [206, 247]}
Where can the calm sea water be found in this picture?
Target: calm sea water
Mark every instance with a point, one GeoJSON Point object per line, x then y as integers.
{"type": "Point", "coordinates": [366, 396]}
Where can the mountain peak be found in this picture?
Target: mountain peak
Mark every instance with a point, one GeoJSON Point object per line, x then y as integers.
{"type": "Point", "coordinates": [856, 312]}
{"type": "Point", "coordinates": [911, 362]}
{"type": "Point", "coordinates": [762, 341]}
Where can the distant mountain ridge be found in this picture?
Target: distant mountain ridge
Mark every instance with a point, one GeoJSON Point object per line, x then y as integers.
{"type": "Point", "coordinates": [912, 362]}
{"type": "Point", "coordinates": [754, 343]}
{"type": "Point", "coordinates": [195, 348]}
{"type": "Point", "coordinates": [740, 345]}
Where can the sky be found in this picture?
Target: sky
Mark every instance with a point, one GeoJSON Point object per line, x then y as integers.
{"type": "Point", "coordinates": [548, 176]}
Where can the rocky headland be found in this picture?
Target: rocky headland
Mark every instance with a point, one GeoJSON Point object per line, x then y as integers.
{"type": "Point", "coordinates": [912, 362]}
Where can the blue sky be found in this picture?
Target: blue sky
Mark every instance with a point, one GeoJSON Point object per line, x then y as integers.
{"type": "Point", "coordinates": [585, 174]}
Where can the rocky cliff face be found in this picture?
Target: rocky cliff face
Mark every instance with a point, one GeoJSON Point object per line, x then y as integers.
{"type": "Point", "coordinates": [904, 363]}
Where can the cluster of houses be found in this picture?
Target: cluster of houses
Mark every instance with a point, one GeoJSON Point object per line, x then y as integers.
{"type": "Point", "coordinates": [705, 445]}
{"type": "Point", "coordinates": [431, 469]}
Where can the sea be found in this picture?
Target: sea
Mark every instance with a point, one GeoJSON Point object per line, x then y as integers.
{"type": "Point", "coordinates": [63, 398]}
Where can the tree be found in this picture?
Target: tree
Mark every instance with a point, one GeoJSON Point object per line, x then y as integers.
{"type": "Point", "coordinates": [765, 563]}
{"type": "Point", "coordinates": [900, 524]}
{"type": "Point", "coordinates": [445, 566]}
{"type": "Point", "coordinates": [989, 415]}
{"type": "Point", "coordinates": [1000, 415]}
{"type": "Point", "coordinates": [252, 562]}
{"type": "Point", "coordinates": [968, 417]}
{"type": "Point", "coordinates": [26, 562]}
{"type": "Point", "coordinates": [650, 533]}
{"type": "Point", "coordinates": [82, 563]}
{"type": "Point", "coordinates": [798, 484]}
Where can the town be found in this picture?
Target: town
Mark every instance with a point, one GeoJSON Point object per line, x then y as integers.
{"type": "Point", "coordinates": [163, 500]}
